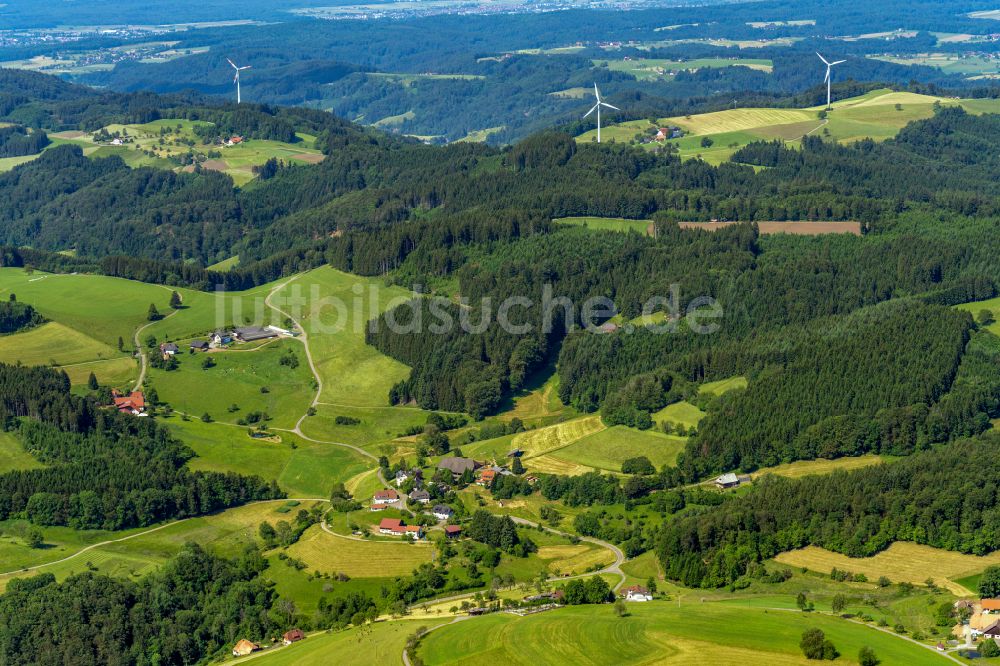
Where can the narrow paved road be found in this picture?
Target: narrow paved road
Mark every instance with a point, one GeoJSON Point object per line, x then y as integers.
{"type": "Point", "coordinates": [613, 568]}
{"type": "Point", "coordinates": [142, 353]}
{"type": "Point", "coordinates": [143, 533]}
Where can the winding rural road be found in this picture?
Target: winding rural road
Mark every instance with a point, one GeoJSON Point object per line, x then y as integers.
{"type": "Point", "coordinates": [143, 533]}
{"type": "Point", "coordinates": [143, 362]}
{"type": "Point", "coordinates": [613, 568]}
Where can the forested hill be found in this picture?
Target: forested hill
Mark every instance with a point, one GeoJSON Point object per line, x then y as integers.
{"type": "Point", "coordinates": [104, 470]}
{"type": "Point", "coordinates": [478, 221]}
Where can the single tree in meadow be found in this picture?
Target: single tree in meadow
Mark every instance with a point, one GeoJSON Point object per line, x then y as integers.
{"type": "Point", "coordinates": [92, 382]}
{"type": "Point", "coordinates": [867, 657]}
{"type": "Point", "coordinates": [153, 314]}
{"type": "Point", "coordinates": [175, 300]}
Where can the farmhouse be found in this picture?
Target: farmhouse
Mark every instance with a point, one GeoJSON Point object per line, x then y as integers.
{"type": "Point", "coordinates": [421, 496]}
{"type": "Point", "coordinates": [729, 480]}
{"type": "Point", "coordinates": [168, 349]}
{"type": "Point", "coordinates": [989, 605]}
{"type": "Point", "coordinates": [199, 345]}
{"type": "Point", "coordinates": [992, 631]}
{"type": "Point", "coordinates": [133, 403]}
{"type": "Point", "coordinates": [458, 466]}
{"type": "Point", "coordinates": [664, 133]}
{"type": "Point", "coordinates": [234, 140]}
{"type": "Point", "coordinates": [244, 647]}
{"type": "Point", "coordinates": [636, 593]}
{"type": "Point", "coordinates": [221, 338]}
{"type": "Point", "coordinates": [442, 511]}
{"type": "Point", "coordinates": [384, 498]}
{"type": "Point", "coordinates": [292, 636]}
{"type": "Point", "coordinates": [252, 333]}
{"type": "Point", "coordinates": [487, 477]}
{"type": "Point", "coordinates": [396, 527]}
{"type": "Point", "coordinates": [452, 531]}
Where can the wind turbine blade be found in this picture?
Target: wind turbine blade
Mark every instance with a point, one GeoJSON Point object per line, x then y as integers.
{"type": "Point", "coordinates": [246, 67]}
{"type": "Point", "coordinates": [231, 63]}
{"type": "Point", "coordinates": [597, 94]}
{"type": "Point", "coordinates": [836, 62]}
{"type": "Point", "coordinates": [823, 59]}
{"type": "Point", "coordinates": [236, 78]}
{"type": "Point", "coordinates": [592, 109]}
{"type": "Point", "coordinates": [609, 106]}
{"type": "Point", "coordinates": [827, 77]}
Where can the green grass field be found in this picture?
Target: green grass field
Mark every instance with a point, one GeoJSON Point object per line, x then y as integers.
{"type": "Point", "coordinates": [658, 632]}
{"type": "Point", "coordinates": [607, 449]}
{"type": "Point", "coordinates": [680, 413]}
{"type": "Point", "coordinates": [13, 456]}
{"type": "Point", "coordinates": [354, 374]}
{"type": "Point", "coordinates": [237, 379]}
{"type": "Point", "coordinates": [307, 470]}
{"type": "Point", "coordinates": [993, 305]}
{"type": "Point", "coordinates": [359, 558]}
{"type": "Point", "coordinates": [381, 644]}
{"type": "Point", "coordinates": [226, 533]}
{"type": "Point", "coordinates": [88, 314]}
{"type": "Point", "coordinates": [874, 115]}
{"type": "Point", "coordinates": [608, 224]}
{"type": "Point", "coordinates": [150, 147]}
{"type": "Point", "coordinates": [721, 386]}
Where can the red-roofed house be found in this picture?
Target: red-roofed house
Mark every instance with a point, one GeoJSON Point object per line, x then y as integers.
{"type": "Point", "coordinates": [990, 605]}
{"type": "Point", "coordinates": [133, 403]}
{"type": "Point", "coordinates": [384, 498]}
{"type": "Point", "coordinates": [452, 531]}
{"type": "Point", "coordinates": [486, 477]}
{"type": "Point", "coordinates": [396, 527]}
{"type": "Point", "coordinates": [292, 635]}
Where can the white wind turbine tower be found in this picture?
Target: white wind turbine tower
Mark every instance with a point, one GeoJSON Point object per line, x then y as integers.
{"type": "Point", "coordinates": [826, 79]}
{"type": "Point", "coordinates": [236, 79]}
{"type": "Point", "coordinates": [597, 107]}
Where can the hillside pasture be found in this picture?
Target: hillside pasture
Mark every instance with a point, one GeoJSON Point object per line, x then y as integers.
{"type": "Point", "coordinates": [605, 450]}
{"type": "Point", "coordinates": [358, 558]}
{"type": "Point", "coordinates": [237, 379]}
{"type": "Point", "coordinates": [336, 307]}
{"type": "Point", "coordinates": [308, 470]}
{"type": "Point", "coordinates": [721, 386]}
{"type": "Point", "coordinates": [13, 456]}
{"type": "Point", "coordinates": [680, 413]}
{"type": "Point", "coordinates": [226, 533]}
{"type": "Point", "coordinates": [878, 114]}
{"type": "Point", "coordinates": [802, 468]}
{"type": "Point", "coordinates": [992, 305]}
{"type": "Point", "coordinates": [902, 561]}
{"type": "Point", "coordinates": [659, 632]}
{"type": "Point", "coordinates": [56, 345]}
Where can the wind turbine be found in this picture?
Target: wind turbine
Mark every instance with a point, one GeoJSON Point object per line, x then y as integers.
{"type": "Point", "coordinates": [236, 80]}
{"type": "Point", "coordinates": [597, 107]}
{"type": "Point", "coordinates": [826, 79]}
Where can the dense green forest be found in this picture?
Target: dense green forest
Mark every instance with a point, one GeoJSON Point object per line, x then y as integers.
{"type": "Point", "coordinates": [945, 498]}
{"type": "Point", "coordinates": [15, 316]}
{"type": "Point", "coordinates": [104, 470]}
{"type": "Point", "coordinates": [194, 607]}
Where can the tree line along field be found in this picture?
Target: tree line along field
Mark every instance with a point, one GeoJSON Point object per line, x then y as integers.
{"type": "Point", "coordinates": [873, 115]}
{"type": "Point", "coordinates": [147, 145]}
